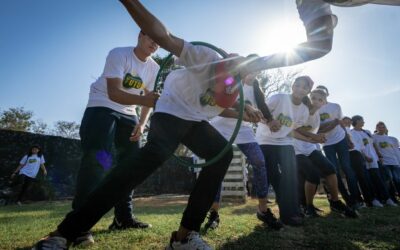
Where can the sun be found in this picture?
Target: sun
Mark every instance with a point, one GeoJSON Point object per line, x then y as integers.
{"type": "Point", "coordinates": [282, 36]}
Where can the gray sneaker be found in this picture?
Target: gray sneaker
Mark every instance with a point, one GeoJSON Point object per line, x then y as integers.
{"type": "Point", "coordinates": [84, 240]}
{"type": "Point", "coordinates": [193, 241]}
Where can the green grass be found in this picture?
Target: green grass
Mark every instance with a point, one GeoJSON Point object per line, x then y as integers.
{"type": "Point", "coordinates": [22, 226]}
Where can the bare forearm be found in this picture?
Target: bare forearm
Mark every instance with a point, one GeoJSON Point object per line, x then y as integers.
{"type": "Point", "coordinates": [230, 113]}
{"type": "Point", "coordinates": [152, 27]}
{"type": "Point", "coordinates": [144, 115]}
{"type": "Point", "coordinates": [299, 136]}
{"type": "Point", "coordinates": [125, 98]}
{"type": "Point", "coordinates": [326, 127]}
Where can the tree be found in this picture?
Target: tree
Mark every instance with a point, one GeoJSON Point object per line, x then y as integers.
{"type": "Point", "coordinates": [17, 119]}
{"type": "Point", "coordinates": [66, 129]}
{"type": "Point", "coordinates": [39, 127]}
{"type": "Point", "coordinates": [277, 81]}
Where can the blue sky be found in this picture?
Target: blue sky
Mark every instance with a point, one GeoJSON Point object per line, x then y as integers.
{"type": "Point", "coordinates": [51, 51]}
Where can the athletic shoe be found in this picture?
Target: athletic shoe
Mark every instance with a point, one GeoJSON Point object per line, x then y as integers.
{"type": "Point", "coordinates": [193, 241]}
{"type": "Point", "coordinates": [339, 207]}
{"type": "Point", "coordinates": [84, 240]}
{"type": "Point", "coordinates": [213, 220]}
{"type": "Point", "coordinates": [133, 223]}
{"type": "Point", "coordinates": [269, 218]}
{"type": "Point", "coordinates": [376, 203]}
{"type": "Point", "coordinates": [391, 203]}
{"type": "Point", "coordinates": [19, 203]}
{"type": "Point", "coordinates": [51, 242]}
{"type": "Point", "coordinates": [311, 212]}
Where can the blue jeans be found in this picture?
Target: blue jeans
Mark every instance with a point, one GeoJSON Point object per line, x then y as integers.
{"type": "Point", "coordinates": [338, 154]}
{"type": "Point", "coordinates": [100, 128]}
{"type": "Point", "coordinates": [255, 157]}
{"type": "Point", "coordinates": [282, 174]}
{"type": "Point", "coordinates": [391, 175]}
{"type": "Point", "coordinates": [165, 134]}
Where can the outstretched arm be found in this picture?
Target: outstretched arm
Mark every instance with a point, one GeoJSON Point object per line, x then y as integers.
{"type": "Point", "coordinates": [319, 23]}
{"type": "Point", "coordinates": [153, 27]}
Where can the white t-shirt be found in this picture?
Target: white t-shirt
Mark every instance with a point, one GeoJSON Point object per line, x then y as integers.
{"type": "Point", "coordinates": [385, 147]}
{"type": "Point", "coordinates": [184, 88]}
{"type": "Point", "coordinates": [136, 76]}
{"type": "Point", "coordinates": [351, 3]}
{"type": "Point", "coordinates": [225, 126]}
{"type": "Point", "coordinates": [309, 10]}
{"type": "Point", "coordinates": [348, 131]}
{"type": "Point", "coordinates": [303, 147]}
{"type": "Point", "coordinates": [330, 112]}
{"type": "Point", "coordinates": [396, 146]}
{"type": "Point", "coordinates": [31, 165]}
{"type": "Point", "coordinates": [364, 143]}
{"type": "Point", "coordinates": [289, 115]}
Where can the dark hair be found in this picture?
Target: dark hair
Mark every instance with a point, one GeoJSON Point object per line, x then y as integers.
{"type": "Point", "coordinates": [35, 146]}
{"type": "Point", "coordinates": [355, 119]}
{"type": "Point", "coordinates": [346, 117]}
{"type": "Point", "coordinates": [323, 88]}
{"type": "Point", "coordinates": [307, 79]}
{"type": "Point", "coordinates": [306, 101]}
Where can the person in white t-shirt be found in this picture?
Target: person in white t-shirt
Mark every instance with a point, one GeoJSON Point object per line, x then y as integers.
{"type": "Point", "coordinates": [351, 3]}
{"type": "Point", "coordinates": [336, 149]}
{"type": "Point", "coordinates": [278, 150]}
{"type": "Point", "coordinates": [126, 84]}
{"type": "Point", "coordinates": [246, 142]}
{"type": "Point", "coordinates": [390, 163]}
{"type": "Point", "coordinates": [28, 168]}
{"type": "Point", "coordinates": [363, 143]}
{"type": "Point", "coordinates": [312, 164]}
{"type": "Point", "coordinates": [359, 165]}
{"type": "Point", "coordinates": [181, 116]}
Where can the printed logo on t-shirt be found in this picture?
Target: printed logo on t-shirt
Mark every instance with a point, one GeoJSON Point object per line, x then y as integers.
{"type": "Point", "coordinates": [365, 141]}
{"type": "Point", "coordinates": [384, 144]}
{"type": "Point", "coordinates": [285, 120]}
{"type": "Point", "coordinates": [207, 98]}
{"type": "Point", "coordinates": [32, 160]}
{"type": "Point", "coordinates": [130, 81]}
{"type": "Point", "coordinates": [324, 116]}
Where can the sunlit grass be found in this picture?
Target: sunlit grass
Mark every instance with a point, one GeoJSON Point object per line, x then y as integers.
{"type": "Point", "coordinates": [21, 226]}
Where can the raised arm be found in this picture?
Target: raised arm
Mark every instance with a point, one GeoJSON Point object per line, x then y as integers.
{"type": "Point", "coordinates": [319, 23]}
{"type": "Point", "coordinates": [153, 27]}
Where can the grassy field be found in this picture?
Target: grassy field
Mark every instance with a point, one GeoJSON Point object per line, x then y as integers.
{"type": "Point", "coordinates": [21, 226]}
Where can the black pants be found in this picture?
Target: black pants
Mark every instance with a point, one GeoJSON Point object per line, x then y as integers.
{"type": "Point", "coordinates": [358, 164]}
{"type": "Point", "coordinates": [100, 128]}
{"type": "Point", "coordinates": [379, 186]}
{"type": "Point", "coordinates": [282, 174]}
{"type": "Point", "coordinates": [26, 182]}
{"type": "Point", "coordinates": [166, 132]}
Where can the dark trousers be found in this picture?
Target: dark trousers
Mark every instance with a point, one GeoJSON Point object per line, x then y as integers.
{"type": "Point", "coordinates": [358, 164]}
{"type": "Point", "coordinates": [282, 174]}
{"type": "Point", "coordinates": [379, 186]}
{"type": "Point", "coordinates": [26, 182]}
{"type": "Point", "coordinates": [101, 128]}
{"type": "Point", "coordinates": [166, 132]}
{"type": "Point", "coordinates": [340, 151]}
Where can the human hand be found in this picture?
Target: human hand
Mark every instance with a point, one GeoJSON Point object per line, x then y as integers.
{"type": "Point", "coordinates": [137, 132]}
{"type": "Point", "coordinates": [274, 125]}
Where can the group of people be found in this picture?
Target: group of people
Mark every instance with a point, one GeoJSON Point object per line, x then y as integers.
{"type": "Point", "coordinates": [289, 130]}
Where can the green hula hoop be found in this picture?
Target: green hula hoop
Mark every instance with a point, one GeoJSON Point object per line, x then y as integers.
{"type": "Point", "coordinates": [241, 108]}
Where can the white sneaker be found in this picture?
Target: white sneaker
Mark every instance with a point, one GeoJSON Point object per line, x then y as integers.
{"type": "Point", "coordinates": [376, 203]}
{"type": "Point", "coordinates": [193, 241]}
{"type": "Point", "coordinates": [19, 203]}
{"type": "Point", "coordinates": [391, 203]}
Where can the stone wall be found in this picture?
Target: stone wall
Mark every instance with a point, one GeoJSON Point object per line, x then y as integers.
{"type": "Point", "coordinates": [62, 157]}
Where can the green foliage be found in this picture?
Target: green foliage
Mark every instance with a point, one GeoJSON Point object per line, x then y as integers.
{"type": "Point", "coordinates": [17, 119]}
{"type": "Point", "coordinates": [20, 227]}
{"type": "Point", "coordinates": [66, 129]}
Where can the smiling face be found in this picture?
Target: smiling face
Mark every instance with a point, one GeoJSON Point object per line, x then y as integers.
{"type": "Point", "coordinates": [381, 128]}
{"type": "Point", "coordinates": [318, 99]}
{"type": "Point", "coordinates": [301, 87]}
